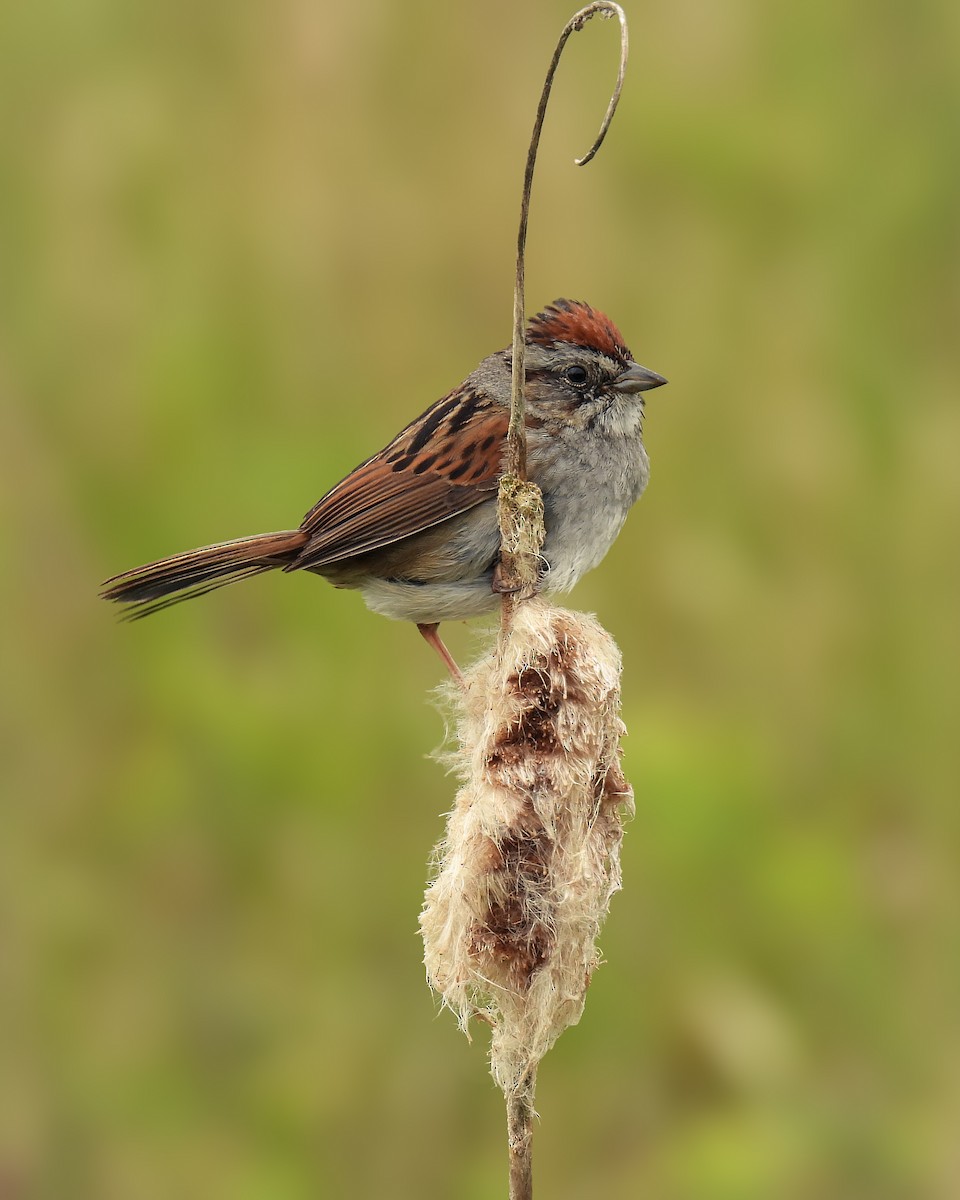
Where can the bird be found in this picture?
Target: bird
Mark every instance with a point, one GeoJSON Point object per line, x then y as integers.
{"type": "Point", "coordinates": [414, 528]}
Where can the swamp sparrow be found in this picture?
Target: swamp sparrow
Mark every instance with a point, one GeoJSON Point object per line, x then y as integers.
{"type": "Point", "coordinates": [414, 528]}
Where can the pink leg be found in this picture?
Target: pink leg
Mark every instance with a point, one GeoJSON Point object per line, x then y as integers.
{"type": "Point", "coordinates": [432, 638]}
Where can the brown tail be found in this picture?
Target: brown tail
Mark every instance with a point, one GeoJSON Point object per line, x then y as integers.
{"type": "Point", "coordinates": [159, 584]}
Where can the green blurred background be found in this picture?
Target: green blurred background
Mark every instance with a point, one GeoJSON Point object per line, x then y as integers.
{"type": "Point", "coordinates": [240, 245]}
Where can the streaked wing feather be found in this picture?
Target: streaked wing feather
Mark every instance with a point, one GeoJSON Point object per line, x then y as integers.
{"type": "Point", "coordinates": [442, 464]}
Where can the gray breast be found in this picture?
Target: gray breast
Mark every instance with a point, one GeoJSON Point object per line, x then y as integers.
{"type": "Point", "coordinates": [585, 509]}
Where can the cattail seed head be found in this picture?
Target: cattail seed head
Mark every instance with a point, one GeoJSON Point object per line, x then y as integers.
{"type": "Point", "coordinates": [531, 854]}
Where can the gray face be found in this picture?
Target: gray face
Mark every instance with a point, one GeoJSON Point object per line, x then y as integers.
{"type": "Point", "coordinates": [582, 384]}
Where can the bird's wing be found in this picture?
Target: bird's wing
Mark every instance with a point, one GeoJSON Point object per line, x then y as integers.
{"type": "Point", "coordinates": [445, 462]}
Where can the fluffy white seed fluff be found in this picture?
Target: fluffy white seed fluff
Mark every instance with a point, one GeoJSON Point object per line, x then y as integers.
{"type": "Point", "coordinates": [531, 854]}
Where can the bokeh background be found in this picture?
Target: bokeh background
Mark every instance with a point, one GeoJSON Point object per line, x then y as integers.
{"type": "Point", "coordinates": [242, 243]}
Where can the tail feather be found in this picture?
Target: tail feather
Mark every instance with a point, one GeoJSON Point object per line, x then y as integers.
{"type": "Point", "coordinates": [168, 581]}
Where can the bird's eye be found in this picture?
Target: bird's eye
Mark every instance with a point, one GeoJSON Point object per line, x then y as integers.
{"type": "Point", "coordinates": [576, 375]}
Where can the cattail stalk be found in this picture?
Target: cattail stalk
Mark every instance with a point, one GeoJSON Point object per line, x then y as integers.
{"type": "Point", "coordinates": [531, 854]}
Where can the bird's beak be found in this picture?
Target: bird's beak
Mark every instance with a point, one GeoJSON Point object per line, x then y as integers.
{"type": "Point", "coordinates": [638, 379]}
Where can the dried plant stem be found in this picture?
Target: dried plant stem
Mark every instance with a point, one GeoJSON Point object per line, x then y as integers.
{"type": "Point", "coordinates": [520, 538]}
{"type": "Point", "coordinates": [517, 573]}
{"type": "Point", "coordinates": [531, 854]}
{"type": "Point", "coordinates": [520, 1115]}
{"type": "Point", "coordinates": [516, 441]}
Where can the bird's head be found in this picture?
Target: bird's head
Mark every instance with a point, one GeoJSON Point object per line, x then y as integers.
{"type": "Point", "coordinates": [577, 358]}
